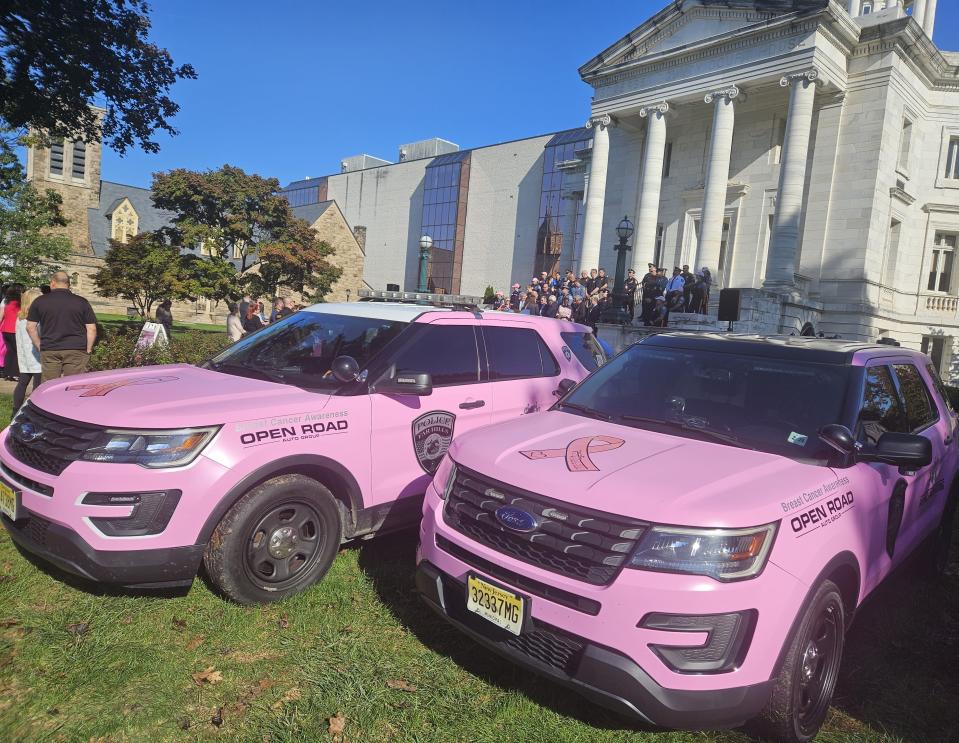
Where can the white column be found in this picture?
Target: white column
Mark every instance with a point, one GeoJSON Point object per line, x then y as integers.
{"type": "Point", "coordinates": [595, 193]}
{"type": "Point", "coordinates": [717, 180]}
{"type": "Point", "coordinates": [919, 11]}
{"type": "Point", "coordinates": [784, 245]}
{"type": "Point", "coordinates": [648, 217]}
{"type": "Point", "coordinates": [929, 17]}
{"type": "Point", "coordinates": [855, 8]}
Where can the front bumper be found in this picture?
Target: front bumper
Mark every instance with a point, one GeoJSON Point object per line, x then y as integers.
{"type": "Point", "coordinates": [599, 673]}
{"type": "Point", "coordinates": [65, 549]}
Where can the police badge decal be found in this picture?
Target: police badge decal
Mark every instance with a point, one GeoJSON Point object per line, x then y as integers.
{"type": "Point", "coordinates": [432, 434]}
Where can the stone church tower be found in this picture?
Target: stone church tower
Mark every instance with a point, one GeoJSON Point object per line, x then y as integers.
{"type": "Point", "coordinates": [72, 169]}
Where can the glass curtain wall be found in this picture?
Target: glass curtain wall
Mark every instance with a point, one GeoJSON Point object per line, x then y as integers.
{"type": "Point", "coordinates": [445, 195]}
{"type": "Point", "coordinates": [306, 192]}
{"type": "Point", "coordinates": [555, 212]}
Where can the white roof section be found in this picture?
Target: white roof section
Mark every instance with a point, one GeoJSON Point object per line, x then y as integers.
{"type": "Point", "coordinates": [397, 311]}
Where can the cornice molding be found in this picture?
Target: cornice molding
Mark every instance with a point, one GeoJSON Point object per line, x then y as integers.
{"type": "Point", "coordinates": [900, 193]}
{"type": "Point", "coordinates": [942, 208]}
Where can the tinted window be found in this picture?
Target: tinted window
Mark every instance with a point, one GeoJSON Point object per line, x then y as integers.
{"type": "Point", "coordinates": [585, 348]}
{"type": "Point", "coordinates": [767, 404]}
{"type": "Point", "coordinates": [517, 353]}
{"type": "Point", "coordinates": [919, 409]}
{"type": "Point", "coordinates": [300, 349]}
{"type": "Point", "coordinates": [446, 352]}
{"type": "Point", "coordinates": [881, 408]}
{"type": "Point", "coordinates": [940, 387]}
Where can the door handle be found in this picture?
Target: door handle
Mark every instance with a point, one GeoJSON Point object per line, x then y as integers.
{"type": "Point", "coordinates": [472, 405]}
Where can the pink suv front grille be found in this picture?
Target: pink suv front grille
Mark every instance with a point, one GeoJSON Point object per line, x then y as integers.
{"type": "Point", "coordinates": [579, 543]}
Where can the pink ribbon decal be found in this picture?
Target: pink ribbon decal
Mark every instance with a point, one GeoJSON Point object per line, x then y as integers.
{"type": "Point", "coordinates": [577, 452]}
{"type": "Point", "coordinates": [102, 390]}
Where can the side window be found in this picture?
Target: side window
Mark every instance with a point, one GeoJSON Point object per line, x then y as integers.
{"type": "Point", "coordinates": [881, 409]}
{"type": "Point", "coordinates": [586, 349]}
{"type": "Point", "coordinates": [920, 411]}
{"type": "Point", "coordinates": [446, 352]}
{"type": "Point", "coordinates": [940, 386]}
{"type": "Point", "coordinates": [517, 353]}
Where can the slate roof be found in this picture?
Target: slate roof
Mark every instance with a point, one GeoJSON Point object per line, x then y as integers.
{"type": "Point", "coordinates": [312, 212]}
{"type": "Point", "coordinates": [111, 195]}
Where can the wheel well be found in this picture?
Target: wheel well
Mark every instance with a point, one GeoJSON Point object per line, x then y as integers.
{"type": "Point", "coordinates": [847, 580]}
{"type": "Point", "coordinates": [332, 481]}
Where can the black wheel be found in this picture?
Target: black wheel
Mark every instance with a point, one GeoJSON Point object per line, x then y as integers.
{"type": "Point", "coordinates": [277, 540]}
{"type": "Point", "coordinates": [943, 538]}
{"type": "Point", "coordinates": [804, 687]}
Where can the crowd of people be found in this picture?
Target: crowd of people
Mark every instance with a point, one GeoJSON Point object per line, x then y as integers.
{"type": "Point", "coordinates": [249, 315]}
{"type": "Point", "coordinates": [48, 332]}
{"type": "Point", "coordinates": [585, 298]}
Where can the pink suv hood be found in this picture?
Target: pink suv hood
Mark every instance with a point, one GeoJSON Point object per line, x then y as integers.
{"type": "Point", "coordinates": [637, 473]}
{"type": "Point", "coordinates": [169, 397]}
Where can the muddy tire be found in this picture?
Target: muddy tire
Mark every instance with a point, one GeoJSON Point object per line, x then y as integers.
{"type": "Point", "coordinates": [277, 540]}
{"type": "Point", "coordinates": [804, 687]}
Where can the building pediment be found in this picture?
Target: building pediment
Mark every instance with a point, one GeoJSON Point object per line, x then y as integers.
{"type": "Point", "coordinates": [691, 22]}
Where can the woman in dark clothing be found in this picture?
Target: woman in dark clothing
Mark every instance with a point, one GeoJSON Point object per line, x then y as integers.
{"type": "Point", "coordinates": [165, 316]}
{"type": "Point", "coordinates": [252, 321]}
{"type": "Point", "coordinates": [8, 326]}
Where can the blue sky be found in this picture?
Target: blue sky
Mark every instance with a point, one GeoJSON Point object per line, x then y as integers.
{"type": "Point", "coordinates": [288, 88]}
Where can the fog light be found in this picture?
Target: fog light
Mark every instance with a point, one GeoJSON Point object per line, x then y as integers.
{"type": "Point", "coordinates": [150, 515]}
{"type": "Point", "coordinates": [727, 640]}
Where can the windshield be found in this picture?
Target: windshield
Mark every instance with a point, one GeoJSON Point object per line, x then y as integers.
{"type": "Point", "coordinates": [300, 349]}
{"type": "Point", "coordinates": [771, 405]}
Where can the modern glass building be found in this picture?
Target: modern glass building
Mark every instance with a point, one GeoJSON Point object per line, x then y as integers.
{"type": "Point", "coordinates": [306, 192]}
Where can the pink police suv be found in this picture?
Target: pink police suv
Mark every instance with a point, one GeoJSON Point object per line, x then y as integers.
{"type": "Point", "coordinates": [686, 535]}
{"type": "Point", "coordinates": [321, 428]}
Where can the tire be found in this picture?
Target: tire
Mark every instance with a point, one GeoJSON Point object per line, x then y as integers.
{"type": "Point", "coordinates": [942, 540]}
{"type": "Point", "coordinates": [277, 540]}
{"type": "Point", "coordinates": [804, 688]}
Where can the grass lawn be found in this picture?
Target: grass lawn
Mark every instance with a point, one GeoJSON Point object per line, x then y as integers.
{"type": "Point", "coordinates": [108, 320]}
{"type": "Point", "coordinates": [76, 665]}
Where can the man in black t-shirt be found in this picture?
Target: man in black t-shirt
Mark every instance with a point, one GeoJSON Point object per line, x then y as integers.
{"type": "Point", "coordinates": [62, 325]}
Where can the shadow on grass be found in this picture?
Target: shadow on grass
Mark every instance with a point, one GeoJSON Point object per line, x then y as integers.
{"type": "Point", "coordinates": [898, 673]}
{"type": "Point", "coordinates": [390, 561]}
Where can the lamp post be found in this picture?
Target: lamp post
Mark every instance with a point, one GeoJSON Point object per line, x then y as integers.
{"type": "Point", "coordinates": [426, 242]}
{"type": "Point", "coordinates": [616, 313]}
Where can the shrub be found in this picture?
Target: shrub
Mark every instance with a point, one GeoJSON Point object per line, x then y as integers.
{"type": "Point", "coordinates": [116, 348]}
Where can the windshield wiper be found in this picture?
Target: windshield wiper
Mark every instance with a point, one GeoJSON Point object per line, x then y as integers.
{"type": "Point", "coordinates": [725, 438]}
{"type": "Point", "coordinates": [248, 371]}
{"type": "Point", "coordinates": [591, 412]}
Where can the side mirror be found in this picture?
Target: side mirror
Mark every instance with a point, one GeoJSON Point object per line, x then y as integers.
{"type": "Point", "coordinates": [406, 383]}
{"type": "Point", "coordinates": [904, 450]}
{"type": "Point", "coordinates": [839, 438]}
{"type": "Point", "coordinates": [565, 385]}
{"type": "Point", "coordinates": [345, 368]}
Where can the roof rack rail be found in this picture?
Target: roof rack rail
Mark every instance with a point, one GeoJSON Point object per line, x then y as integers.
{"type": "Point", "coordinates": [460, 302]}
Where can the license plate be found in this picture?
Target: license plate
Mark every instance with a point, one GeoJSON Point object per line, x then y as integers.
{"type": "Point", "coordinates": [8, 501]}
{"type": "Point", "coordinates": [502, 608]}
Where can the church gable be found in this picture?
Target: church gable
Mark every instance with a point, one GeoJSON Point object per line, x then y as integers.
{"type": "Point", "coordinates": [692, 22]}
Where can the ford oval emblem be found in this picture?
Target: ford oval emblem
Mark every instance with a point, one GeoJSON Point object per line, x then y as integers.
{"type": "Point", "coordinates": [28, 432]}
{"type": "Point", "coordinates": [516, 519]}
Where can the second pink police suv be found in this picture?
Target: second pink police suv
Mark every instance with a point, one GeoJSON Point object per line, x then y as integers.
{"type": "Point", "coordinates": [686, 536]}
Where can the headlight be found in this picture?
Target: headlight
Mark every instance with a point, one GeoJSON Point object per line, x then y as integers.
{"type": "Point", "coordinates": [723, 554]}
{"type": "Point", "coordinates": [151, 448]}
{"type": "Point", "coordinates": [445, 477]}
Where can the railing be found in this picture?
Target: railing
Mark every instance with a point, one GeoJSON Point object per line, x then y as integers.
{"type": "Point", "coordinates": [942, 303]}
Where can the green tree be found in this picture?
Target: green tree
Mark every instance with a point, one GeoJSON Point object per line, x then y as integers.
{"type": "Point", "coordinates": [59, 56]}
{"type": "Point", "coordinates": [144, 271]}
{"type": "Point", "coordinates": [212, 278]}
{"type": "Point", "coordinates": [28, 252]}
{"type": "Point", "coordinates": [231, 212]}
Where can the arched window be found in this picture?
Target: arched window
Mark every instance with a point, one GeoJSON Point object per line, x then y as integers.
{"type": "Point", "coordinates": [125, 222]}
